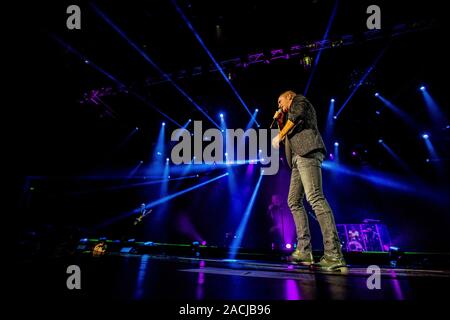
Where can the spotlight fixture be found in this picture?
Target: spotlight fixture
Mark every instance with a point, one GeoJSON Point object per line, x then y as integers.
{"type": "Point", "coordinates": [336, 144]}
{"type": "Point", "coordinates": [332, 100]}
{"type": "Point", "coordinates": [422, 88]}
{"type": "Point", "coordinates": [425, 136]}
{"type": "Point", "coordinates": [377, 94]}
{"type": "Point", "coordinates": [380, 141]}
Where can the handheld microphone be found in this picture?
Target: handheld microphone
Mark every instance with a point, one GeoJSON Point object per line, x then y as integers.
{"type": "Point", "coordinates": [277, 113]}
{"type": "Point", "coordinates": [275, 117]}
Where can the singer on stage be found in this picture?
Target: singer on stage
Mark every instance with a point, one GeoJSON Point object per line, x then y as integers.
{"type": "Point", "coordinates": [305, 152]}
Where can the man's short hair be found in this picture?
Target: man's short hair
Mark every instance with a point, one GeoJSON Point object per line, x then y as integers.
{"type": "Point", "coordinates": [288, 93]}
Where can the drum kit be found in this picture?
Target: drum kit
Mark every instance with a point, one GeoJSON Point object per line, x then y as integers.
{"type": "Point", "coordinates": [360, 237]}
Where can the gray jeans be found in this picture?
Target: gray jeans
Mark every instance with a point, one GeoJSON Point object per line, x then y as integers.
{"type": "Point", "coordinates": [306, 178]}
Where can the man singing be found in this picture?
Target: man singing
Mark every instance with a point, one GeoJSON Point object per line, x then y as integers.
{"type": "Point", "coordinates": [305, 152]}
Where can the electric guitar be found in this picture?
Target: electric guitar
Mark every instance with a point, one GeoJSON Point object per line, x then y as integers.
{"type": "Point", "coordinates": [142, 216]}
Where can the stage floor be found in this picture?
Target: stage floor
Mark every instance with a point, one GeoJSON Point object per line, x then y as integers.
{"type": "Point", "coordinates": [162, 277]}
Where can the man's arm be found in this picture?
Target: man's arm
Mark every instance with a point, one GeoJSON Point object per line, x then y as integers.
{"type": "Point", "coordinates": [297, 112]}
{"type": "Point", "coordinates": [288, 126]}
{"type": "Point", "coordinates": [296, 115]}
{"type": "Point", "coordinates": [280, 136]}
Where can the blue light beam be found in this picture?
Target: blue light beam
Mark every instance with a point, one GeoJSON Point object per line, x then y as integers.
{"type": "Point", "coordinates": [366, 74]}
{"type": "Point", "coordinates": [243, 225]}
{"type": "Point", "coordinates": [325, 37]}
{"type": "Point", "coordinates": [150, 61]}
{"type": "Point", "coordinates": [199, 39]}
